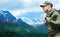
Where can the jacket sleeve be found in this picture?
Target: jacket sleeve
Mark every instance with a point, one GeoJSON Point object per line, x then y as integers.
{"type": "Point", "coordinates": [55, 19]}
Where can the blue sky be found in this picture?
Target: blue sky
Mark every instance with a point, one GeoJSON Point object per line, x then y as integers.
{"type": "Point", "coordinates": [27, 10]}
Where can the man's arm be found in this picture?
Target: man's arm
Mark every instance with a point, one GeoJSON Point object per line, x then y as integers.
{"type": "Point", "coordinates": [55, 19]}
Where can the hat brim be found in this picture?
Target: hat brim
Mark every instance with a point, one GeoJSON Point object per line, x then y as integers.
{"type": "Point", "coordinates": [42, 5]}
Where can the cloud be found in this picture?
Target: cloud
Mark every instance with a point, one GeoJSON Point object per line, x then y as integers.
{"type": "Point", "coordinates": [33, 23]}
{"type": "Point", "coordinates": [24, 11]}
{"type": "Point", "coordinates": [17, 4]}
{"type": "Point", "coordinates": [28, 2]}
{"type": "Point", "coordinates": [30, 22]}
{"type": "Point", "coordinates": [20, 7]}
{"type": "Point", "coordinates": [56, 4]}
{"type": "Point", "coordinates": [4, 1]}
{"type": "Point", "coordinates": [27, 20]}
{"type": "Point", "coordinates": [21, 4]}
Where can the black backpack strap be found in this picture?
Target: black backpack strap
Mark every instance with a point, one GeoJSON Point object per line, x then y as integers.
{"type": "Point", "coordinates": [51, 13]}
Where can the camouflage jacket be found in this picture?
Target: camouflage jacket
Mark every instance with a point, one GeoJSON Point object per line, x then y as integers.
{"type": "Point", "coordinates": [53, 17]}
{"type": "Point", "coordinates": [52, 20]}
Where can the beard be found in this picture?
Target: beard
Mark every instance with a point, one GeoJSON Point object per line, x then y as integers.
{"type": "Point", "coordinates": [46, 11]}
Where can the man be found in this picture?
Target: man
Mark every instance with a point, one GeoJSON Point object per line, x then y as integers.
{"type": "Point", "coordinates": [52, 19]}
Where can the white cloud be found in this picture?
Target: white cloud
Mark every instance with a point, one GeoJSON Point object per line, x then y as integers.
{"type": "Point", "coordinates": [4, 1]}
{"type": "Point", "coordinates": [33, 8]}
{"type": "Point", "coordinates": [28, 2]}
{"type": "Point", "coordinates": [22, 11]}
{"type": "Point", "coordinates": [27, 20]}
{"type": "Point", "coordinates": [30, 22]}
{"type": "Point", "coordinates": [43, 15]}
{"type": "Point", "coordinates": [39, 22]}
{"type": "Point", "coordinates": [56, 4]}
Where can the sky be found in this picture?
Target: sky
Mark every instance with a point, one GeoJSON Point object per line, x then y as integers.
{"type": "Point", "coordinates": [27, 10]}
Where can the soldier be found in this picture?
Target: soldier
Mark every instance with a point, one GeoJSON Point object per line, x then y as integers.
{"type": "Point", "coordinates": [52, 19]}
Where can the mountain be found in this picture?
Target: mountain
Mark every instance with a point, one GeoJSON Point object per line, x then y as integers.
{"type": "Point", "coordinates": [41, 28]}
{"type": "Point", "coordinates": [7, 16]}
{"type": "Point", "coordinates": [8, 19]}
{"type": "Point", "coordinates": [12, 27]}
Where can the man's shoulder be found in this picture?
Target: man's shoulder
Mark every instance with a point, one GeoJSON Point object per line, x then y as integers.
{"type": "Point", "coordinates": [55, 11]}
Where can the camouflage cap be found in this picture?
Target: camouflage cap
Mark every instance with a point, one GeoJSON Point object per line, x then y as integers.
{"type": "Point", "coordinates": [46, 3]}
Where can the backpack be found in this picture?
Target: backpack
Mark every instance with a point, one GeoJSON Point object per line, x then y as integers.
{"type": "Point", "coordinates": [58, 11]}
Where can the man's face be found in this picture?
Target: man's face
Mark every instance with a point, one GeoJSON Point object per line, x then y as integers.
{"type": "Point", "coordinates": [46, 8]}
